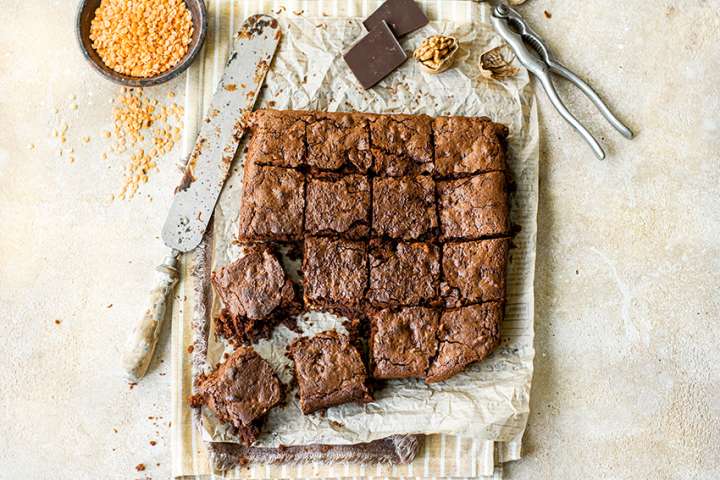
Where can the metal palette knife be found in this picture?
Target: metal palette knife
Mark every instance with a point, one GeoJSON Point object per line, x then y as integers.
{"type": "Point", "coordinates": [207, 168]}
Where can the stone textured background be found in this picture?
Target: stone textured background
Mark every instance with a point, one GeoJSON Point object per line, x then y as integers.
{"type": "Point", "coordinates": [627, 381]}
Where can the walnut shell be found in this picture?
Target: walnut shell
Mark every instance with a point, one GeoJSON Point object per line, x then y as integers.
{"type": "Point", "coordinates": [437, 53]}
{"type": "Point", "coordinates": [497, 63]}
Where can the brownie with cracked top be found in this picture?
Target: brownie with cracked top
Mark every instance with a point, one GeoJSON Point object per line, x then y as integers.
{"type": "Point", "coordinates": [338, 205]}
{"type": "Point", "coordinates": [401, 144]}
{"type": "Point", "coordinates": [465, 335]}
{"type": "Point", "coordinates": [240, 392]}
{"type": "Point", "coordinates": [278, 138]}
{"type": "Point", "coordinates": [329, 371]}
{"type": "Point", "coordinates": [403, 273]}
{"type": "Point", "coordinates": [254, 285]}
{"type": "Point", "coordinates": [474, 271]}
{"type": "Point", "coordinates": [338, 140]}
{"type": "Point", "coordinates": [272, 204]}
{"type": "Point", "coordinates": [473, 207]}
{"type": "Point", "coordinates": [335, 272]}
{"type": "Point", "coordinates": [403, 342]}
{"type": "Point", "coordinates": [468, 145]}
{"type": "Point", "coordinates": [404, 207]}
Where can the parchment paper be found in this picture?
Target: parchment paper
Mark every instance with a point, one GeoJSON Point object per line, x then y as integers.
{"type": "Point", "coordinates": [490, 399]}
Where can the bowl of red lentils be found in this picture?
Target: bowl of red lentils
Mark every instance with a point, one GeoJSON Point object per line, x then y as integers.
{"type": "Point", "coordinates": [140, 43]}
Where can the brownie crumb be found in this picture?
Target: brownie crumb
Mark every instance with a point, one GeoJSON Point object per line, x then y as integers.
{"type": "Point", "coordinates": [140, 467]}
{"type": "Point", "coordinates": [547, 14]}
{"type": "Point", "coordinates": [153, 443]}
{"type": "Point", "coordinates": [190, 348]}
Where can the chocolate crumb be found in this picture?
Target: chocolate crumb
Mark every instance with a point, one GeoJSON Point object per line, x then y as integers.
{"type": "Point", "coordinates": [547, 14]}
{"type": "Point", "coordinates": [58, 322]}
{"type": "Point", "coordinates": [109, 305]}
{"type": "Point", "coordinates": [153, 443]}
{"type": "Point", "coordinates": [190, 348]}
{"type": "Point", "coordinates": [140, 467]}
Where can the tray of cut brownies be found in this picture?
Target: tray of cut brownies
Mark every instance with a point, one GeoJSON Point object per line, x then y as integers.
{"type": "Point", "coordinates": [364, 281]}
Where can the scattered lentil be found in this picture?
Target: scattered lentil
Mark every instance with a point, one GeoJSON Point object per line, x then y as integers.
{"type": "Point", "coordinates": [134, 114]}
{"type": "Point", "coordinates": [141, 38]}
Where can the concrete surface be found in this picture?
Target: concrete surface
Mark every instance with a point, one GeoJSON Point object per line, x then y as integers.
{"type": "Point", "coordinates": [627, 383]}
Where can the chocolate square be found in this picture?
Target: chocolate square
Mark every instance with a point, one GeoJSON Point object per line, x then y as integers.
{"type": "Point", "coordinates": [403, 16]}
{"type": "Point", "coordinates": [375, 56]}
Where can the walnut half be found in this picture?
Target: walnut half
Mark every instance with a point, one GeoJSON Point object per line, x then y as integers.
{"type": "Point", "coordinates": [437, 53]}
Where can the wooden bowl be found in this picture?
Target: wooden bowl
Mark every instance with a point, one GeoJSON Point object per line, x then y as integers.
{"type": "Point", "coordinates": [85, 14]}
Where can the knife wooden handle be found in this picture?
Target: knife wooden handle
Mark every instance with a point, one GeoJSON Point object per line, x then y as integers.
{"type": "Point", "coordinates": [144, 336]}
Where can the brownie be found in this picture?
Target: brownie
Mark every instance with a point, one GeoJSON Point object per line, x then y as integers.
{"type": "Point", "coordinates": [254, 285]}
{"type": "Point", "coordinates": [404, 208]}
{"type": "Point", "coordinates": [240, 392]}
{"type": "Point", "coordinates": [335, 272]}
{"type": "Point", "coordinates": [403, 342]}
{"type": "Point", "coordinates": [474, 271]}
{"type": "Point", "coordinates": [468, 145]}
{"type": "Point", "coordinates": [272, 204]}
{"type": "Point", "coordinates": [403, 273]}
{"type": "Point", "coordinates": [465, 335]}
{"type": "Point", "coordinates": [278, 138]}
{"type": "Point", "coordinates": [329, 371]}
{"type": "Point", "coordinates": [473, 207]}
{"type": "Point", "coordinates": [337, 140]}
{"type": "Point", "coordinates": [401, 144]}
{"type": "Point", "coordinates": [338, 205]}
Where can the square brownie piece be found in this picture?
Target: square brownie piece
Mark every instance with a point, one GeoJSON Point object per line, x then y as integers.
{"type": "Point", "coordinates": [403, 274]}
{"type": "Point", "coordinates": [278, 138]}
{"type": "Point", "coordinates": [474, 271]}
{"type": "Point", "coordinates": [465, 335]}
{"type": "Point", "coordinates": [240, 392]}
{"type": "Point", "coordinates": [403, 342]}
{"type": "Point", "coordinates": [272, 204]}
{"type": "Point", "coordinates": [338, 205]}
{"type": "Point", "coordinates": [255, 285]}
{"type": "Point", "coordinates": [329, 371]}
{"type": "Point", "coordinates": [335, 272]}
{"type": "Point", "coordinates": [337, 140]}
{"type": "Point", "coordinates": [404, 207]}
{"type": "Point", "coordinates": [401, 144]}
{"type": "Point", "coordinates": [468, 145]}
{"type": "Point", "coordinates": [473, 207]}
